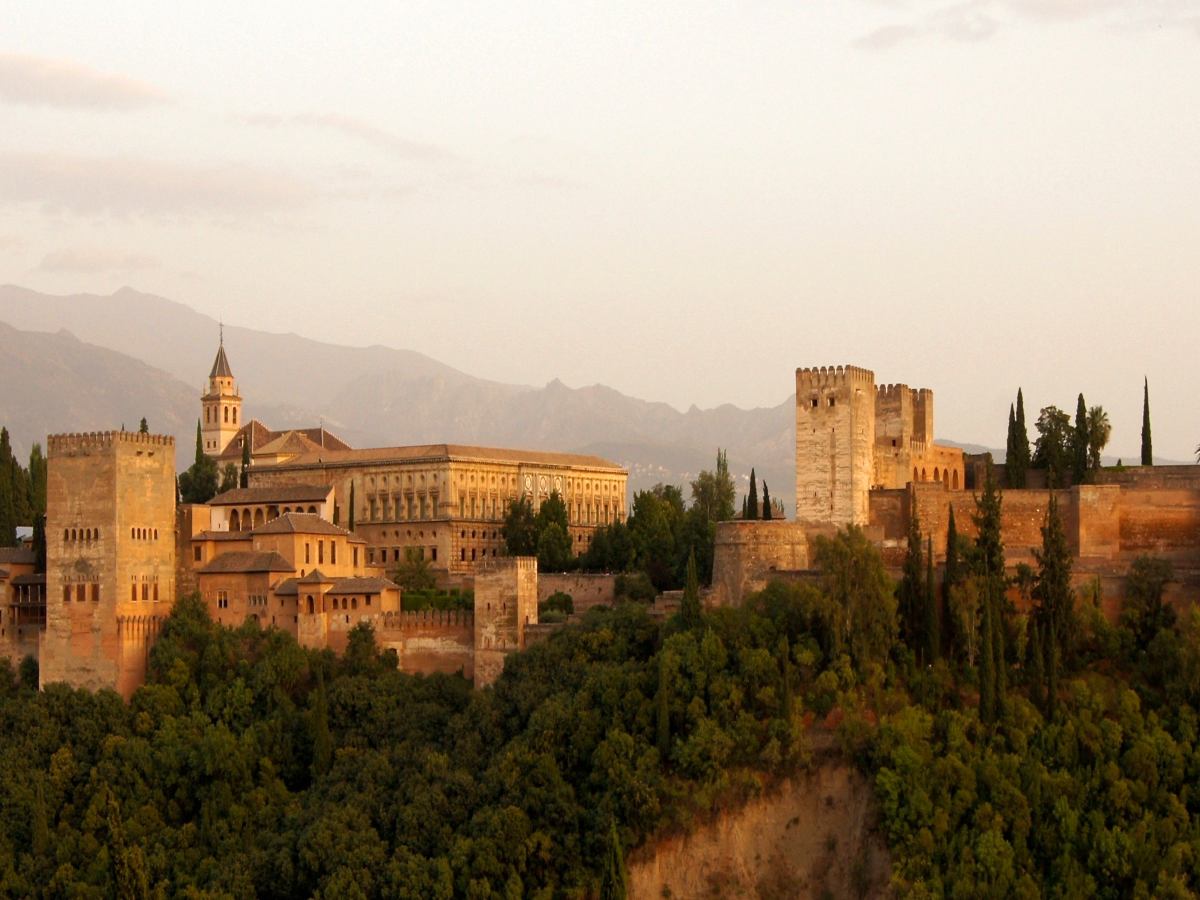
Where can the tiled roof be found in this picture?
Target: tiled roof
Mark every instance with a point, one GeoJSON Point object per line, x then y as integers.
{"type": "Point", "coordinates": [362, 585]}
{"type": "Point", "coordinates": [260, 436]}
{"type": "Point", "coordinates": [222, 536]}
{"type": "Point", "coordinates": [35, 578]}
{"type": "Point", "coordinates": [242, 561]}
{"type": "Point", "coordinates": [284, 493]}
{"type": "Point", "coordinates": [448, 451]}
{"type": "Point", "coordinates": [19, 556]}
{"type": "Point", "coordinates": [316, 576]}
{"type": "Point", "coordinates": [304, 523]}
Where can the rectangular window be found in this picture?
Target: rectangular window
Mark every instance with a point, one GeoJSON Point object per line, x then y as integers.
{"type": "Point", "coordinates": [156, 592]}
{"type": "Point", "coordinates": [145, 593]}
{"type": "Point", "coordinates": [66, 593]}
{"type": "Point", "coordinates": [356, 557]}
{"type": "Point", "coordinates": [197, 553]}
{"type": "Point", "coordinates": [433, 550]}
{"type": "Point", "coordinates": [80, 592]}
{"type": "Point", "coordinates": [333, 553]}
{"type": "Point", "coordinates": [368, 601]}
{"type": "Point", "coordinates": [320, 553]}
{"type": "Point", "coordinates": [95, 593]}
{"type": "Point", "coordinates": [307, 554]}
{"type": "Point", "coordinates": [370, 554]}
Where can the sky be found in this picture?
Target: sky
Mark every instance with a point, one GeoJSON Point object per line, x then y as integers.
{"type": "Point", "coordinates": [682, 200]}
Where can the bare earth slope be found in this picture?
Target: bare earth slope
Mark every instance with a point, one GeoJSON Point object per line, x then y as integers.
{"type": "Point", "coordinates": [813, 836]}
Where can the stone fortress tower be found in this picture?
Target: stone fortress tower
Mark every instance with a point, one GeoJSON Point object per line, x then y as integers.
{"type": "Point", "coordinates": [835, 440]}
{"type": "Point", "coordinates": [221, 405]}
{"type": "Point", "coordinates": [506, 601]}
{"type": "Point", "coordinates": [110, 556]}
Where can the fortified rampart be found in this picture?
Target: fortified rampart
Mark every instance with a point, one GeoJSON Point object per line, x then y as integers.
{"type": "Point", "coordinates": [586, 589]}
{"type": "Point", "coordinates": [506, 592]}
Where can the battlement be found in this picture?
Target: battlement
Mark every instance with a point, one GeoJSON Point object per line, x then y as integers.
{"type": "Point", "coordinates": [500, 564]}
{"type": "Point", "coordinates": [829, 376]}
{"type": "Point", "coordinates": [101, 440]}
{"type": "Point", "coordinates": [429, 618]}
{"type": "Point", "coordinates": [892, 391]}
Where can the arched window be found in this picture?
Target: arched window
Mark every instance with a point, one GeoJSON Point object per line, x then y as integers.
{"type": "Point", "coordinates": [310, 605]}
{"type": "Point", "coordinates": [235, 415]}
{"type": "Point", "coordinates": [133, 592]}
{"type": "Point", "coordinates": [923, 476]}
{"type": "Point", "coordinates": [936, 476]}
{"type": "Point", "coordinates": [258, 517]}
{"type": "Point", "coordinates": [226, 413]}
{"type": "Point", "coordinates": [235, 521]}
{"type": "Point", "coordinates": [955, 480]}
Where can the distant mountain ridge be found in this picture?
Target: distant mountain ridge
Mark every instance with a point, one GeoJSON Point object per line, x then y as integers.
{"type": "Point", "coordinates": [133, 354]}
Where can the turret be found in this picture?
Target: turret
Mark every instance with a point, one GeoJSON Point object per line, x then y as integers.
{"type": "Point", "coordinates": [221, 405]}
{"type": "Point", "coordinates": [835, 440]}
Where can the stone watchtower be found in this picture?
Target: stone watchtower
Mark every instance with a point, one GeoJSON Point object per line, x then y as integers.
{"type": "Point", "coordinates": [835, 441]}
{"type": "Point", "coordinates": [505, 602]}
{"type": "Point", "coordinates": [110, 556]}
{"type": "Point", "coordinates": [221, 413]}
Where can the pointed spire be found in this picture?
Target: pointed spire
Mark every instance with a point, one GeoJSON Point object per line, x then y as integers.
{"type": "Point", "coordinates": [220, 367]}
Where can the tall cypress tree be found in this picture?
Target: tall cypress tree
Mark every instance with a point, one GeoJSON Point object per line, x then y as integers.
{"type": "Point", "coordinates": [1054, 596]}
{"type": "Point", "coordinates": [1037, 667]}
{"type": "Point", "coordinates": [37, 480]}
{"type": "Point", "coordinates": [987, 671]}
{"type": "Point", "coordinates": [689, 607]}
{"type": "Point", "coordinates": [911, 591]}
{"type": "Point", "coordinates": [933, 631]}
{"type": "Point", "coordinates": [991, 569]}
{"type": "Point", "coordinates": [1147, 445]}
{"type": "Point", "coordinates": [949, 577]}
{"type": "Point", "coordinates": [1080, 441]}
{"type": "Point", "coordinates": [244, 478]}
{"type": "Point", "coordinates": [350, 520]}
{"type": "Point", "coordinates": [1021, 442]}
{"type": "Point", "coordinates": [663, 708]}
{"type": "Point", "coordinates": [752, 498]}
{"type": "Point", "coordinates": [8, 511]}
{"type": "Point", "coordinates": [766, 504]}
{"type": "Point", "coordinates": [614, 878]}
{"type": "Point", "coordinates": [1010, 449]}
{"type": "Point", "coordinates": [143, 426]}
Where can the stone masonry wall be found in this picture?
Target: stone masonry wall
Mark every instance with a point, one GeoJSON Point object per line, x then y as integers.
{"type": "Point", "coordinates": [506, 593]}
{"type": "Point", "coordinates": [586, 590]}
{"type": "Point", "coordinates": [835, 439]}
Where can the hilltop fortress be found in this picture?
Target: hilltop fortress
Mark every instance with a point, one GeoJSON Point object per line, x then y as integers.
{"type": "Point", "coordinates": [306, 547]}
{"type": "Point", "coordinates": [865, 456]}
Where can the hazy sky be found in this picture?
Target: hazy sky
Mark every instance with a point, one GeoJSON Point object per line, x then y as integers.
{"type": "Point", "coordinates": [682, 200]}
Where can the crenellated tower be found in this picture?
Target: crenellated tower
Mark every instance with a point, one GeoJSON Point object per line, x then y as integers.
{"type": "Point", "coordinates": [835, 441]}
{"type": "Point", "coordinates": [221, 405]}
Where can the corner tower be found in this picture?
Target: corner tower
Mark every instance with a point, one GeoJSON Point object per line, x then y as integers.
{"type": "Point", "coordinates": [221, 405]}
{"type": "Point", "coordinates": [835, 441]}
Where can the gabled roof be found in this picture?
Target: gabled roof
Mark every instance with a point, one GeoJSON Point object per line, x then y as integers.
{"type": "Point", "coordinates": [246, 561]}
{"type": "Point", "coordinates": [304, 523]}
{"type": "Point", "coordinates": [220, 367]}
{"type": "Point", "coordinates": [283, 493]}
{"type": "Point", "coordinates": [260, 436]}
{"type": "Point", "coordinates": [295, 443]}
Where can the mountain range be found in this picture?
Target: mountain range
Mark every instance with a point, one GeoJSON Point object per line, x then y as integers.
{"type": "Point", "coordinates": [89, 362]}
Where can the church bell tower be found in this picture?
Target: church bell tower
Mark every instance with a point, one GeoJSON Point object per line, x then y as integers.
{"type": "Point", "coordinates": [221, 405]}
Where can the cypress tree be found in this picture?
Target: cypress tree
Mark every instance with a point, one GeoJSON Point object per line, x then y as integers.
{"type": "Point", "coordinates": [322, 743]}
{"type": "Point", "coordinates": [350, 521]}
{"type": "Point", "coordinates": [752, 500]}
{"type": "Point", "coordinates": [744, 505]}
{"type": "Point", "coordinates": [950, 577]}
{"type": "Point", "coordinates": [663, 708]}
{"type": "Point", "coordinates": [244, 479]}
{"type": "Point", "coordinates": [911, 591]}
{"type": "Point", "coordinates": [8, 511]}
{"type": "Point", "coordinates": [37, 480]}
{"type": "Point", "coordinates": [933, 632]}
{"type": "Point", "coordinates": [1147, 446]}
{"type": "Point", "coordinates": [143, 427]}
{"type": "Point", "coordinates": [1010, 449]}
{"type": "Point", "coordinates": [39, 543]}
{"type": "Point", "coordinates": [689, 607]}
{"type": "Point", "coordinates": [766, 504]}
{"type": "Point", "coordinates": [614, 879]}
{"type": "Point", "coordinates": [1052, 660]}
{"type": "Point", "coordinates": [1037, 669]}
{"type": "Point", "coordinates": [1053, 591]}
{"type": "Point", "coordinates": [987, 675]}
{"type": "Point", "coordinates": [991, 569]}
{"type": "Point", "coordinates": [1079, 443]}
{"type": "Point", "coordinates": [199, 444]}
{"type": "Point", "coordinates": [1021, 442]}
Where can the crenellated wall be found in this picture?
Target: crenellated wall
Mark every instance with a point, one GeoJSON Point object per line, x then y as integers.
{"type": "Point", "coordinates": [835, 439]}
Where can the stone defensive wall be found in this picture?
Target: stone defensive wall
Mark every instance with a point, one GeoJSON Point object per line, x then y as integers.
{"type": "Point", "coordinates": [749, 554]}
{"type": "Point", "coordinates": [426, 641]}
{"type": "Point", "coordinates": [586, 589]}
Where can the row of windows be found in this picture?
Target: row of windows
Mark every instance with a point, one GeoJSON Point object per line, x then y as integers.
{"type": "Point", "coordinates": [148, 595]}
{"type": "Point", "coordinates": [75, 535]}
{"type": "Point", "coordinates": [143, 534]}
{"type": "Point", "coordinates": [321, 553]}
{"type": "Point", "coordinates": [210, 415]}
{"type": "Point", "coordinates": [335, 603]}
{"type": "Point", "coordinates": [81, 592]}
{"type": "Point", "coordinates": [397, 554]}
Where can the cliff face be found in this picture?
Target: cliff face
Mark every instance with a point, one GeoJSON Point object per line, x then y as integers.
{"type": "Point", "coordinates": [812, 836]}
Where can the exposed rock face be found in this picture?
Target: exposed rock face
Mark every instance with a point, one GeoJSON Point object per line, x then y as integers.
{"type": "Point", "coordinates": [812, 836]}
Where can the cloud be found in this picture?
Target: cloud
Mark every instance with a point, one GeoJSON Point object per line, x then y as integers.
{"type": "Point", "coordinates": [38, 81]}
{"type": "Point", "coordinates": [123, 186]}
{"type": "Point", "coordinates": [11, 241]}
{"type": "Point", "coordinates": [977, 20]}
{"type": "Point", "coordinates": [93, 260]}
{"type": "Point", "coordinates": [397, 146]}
